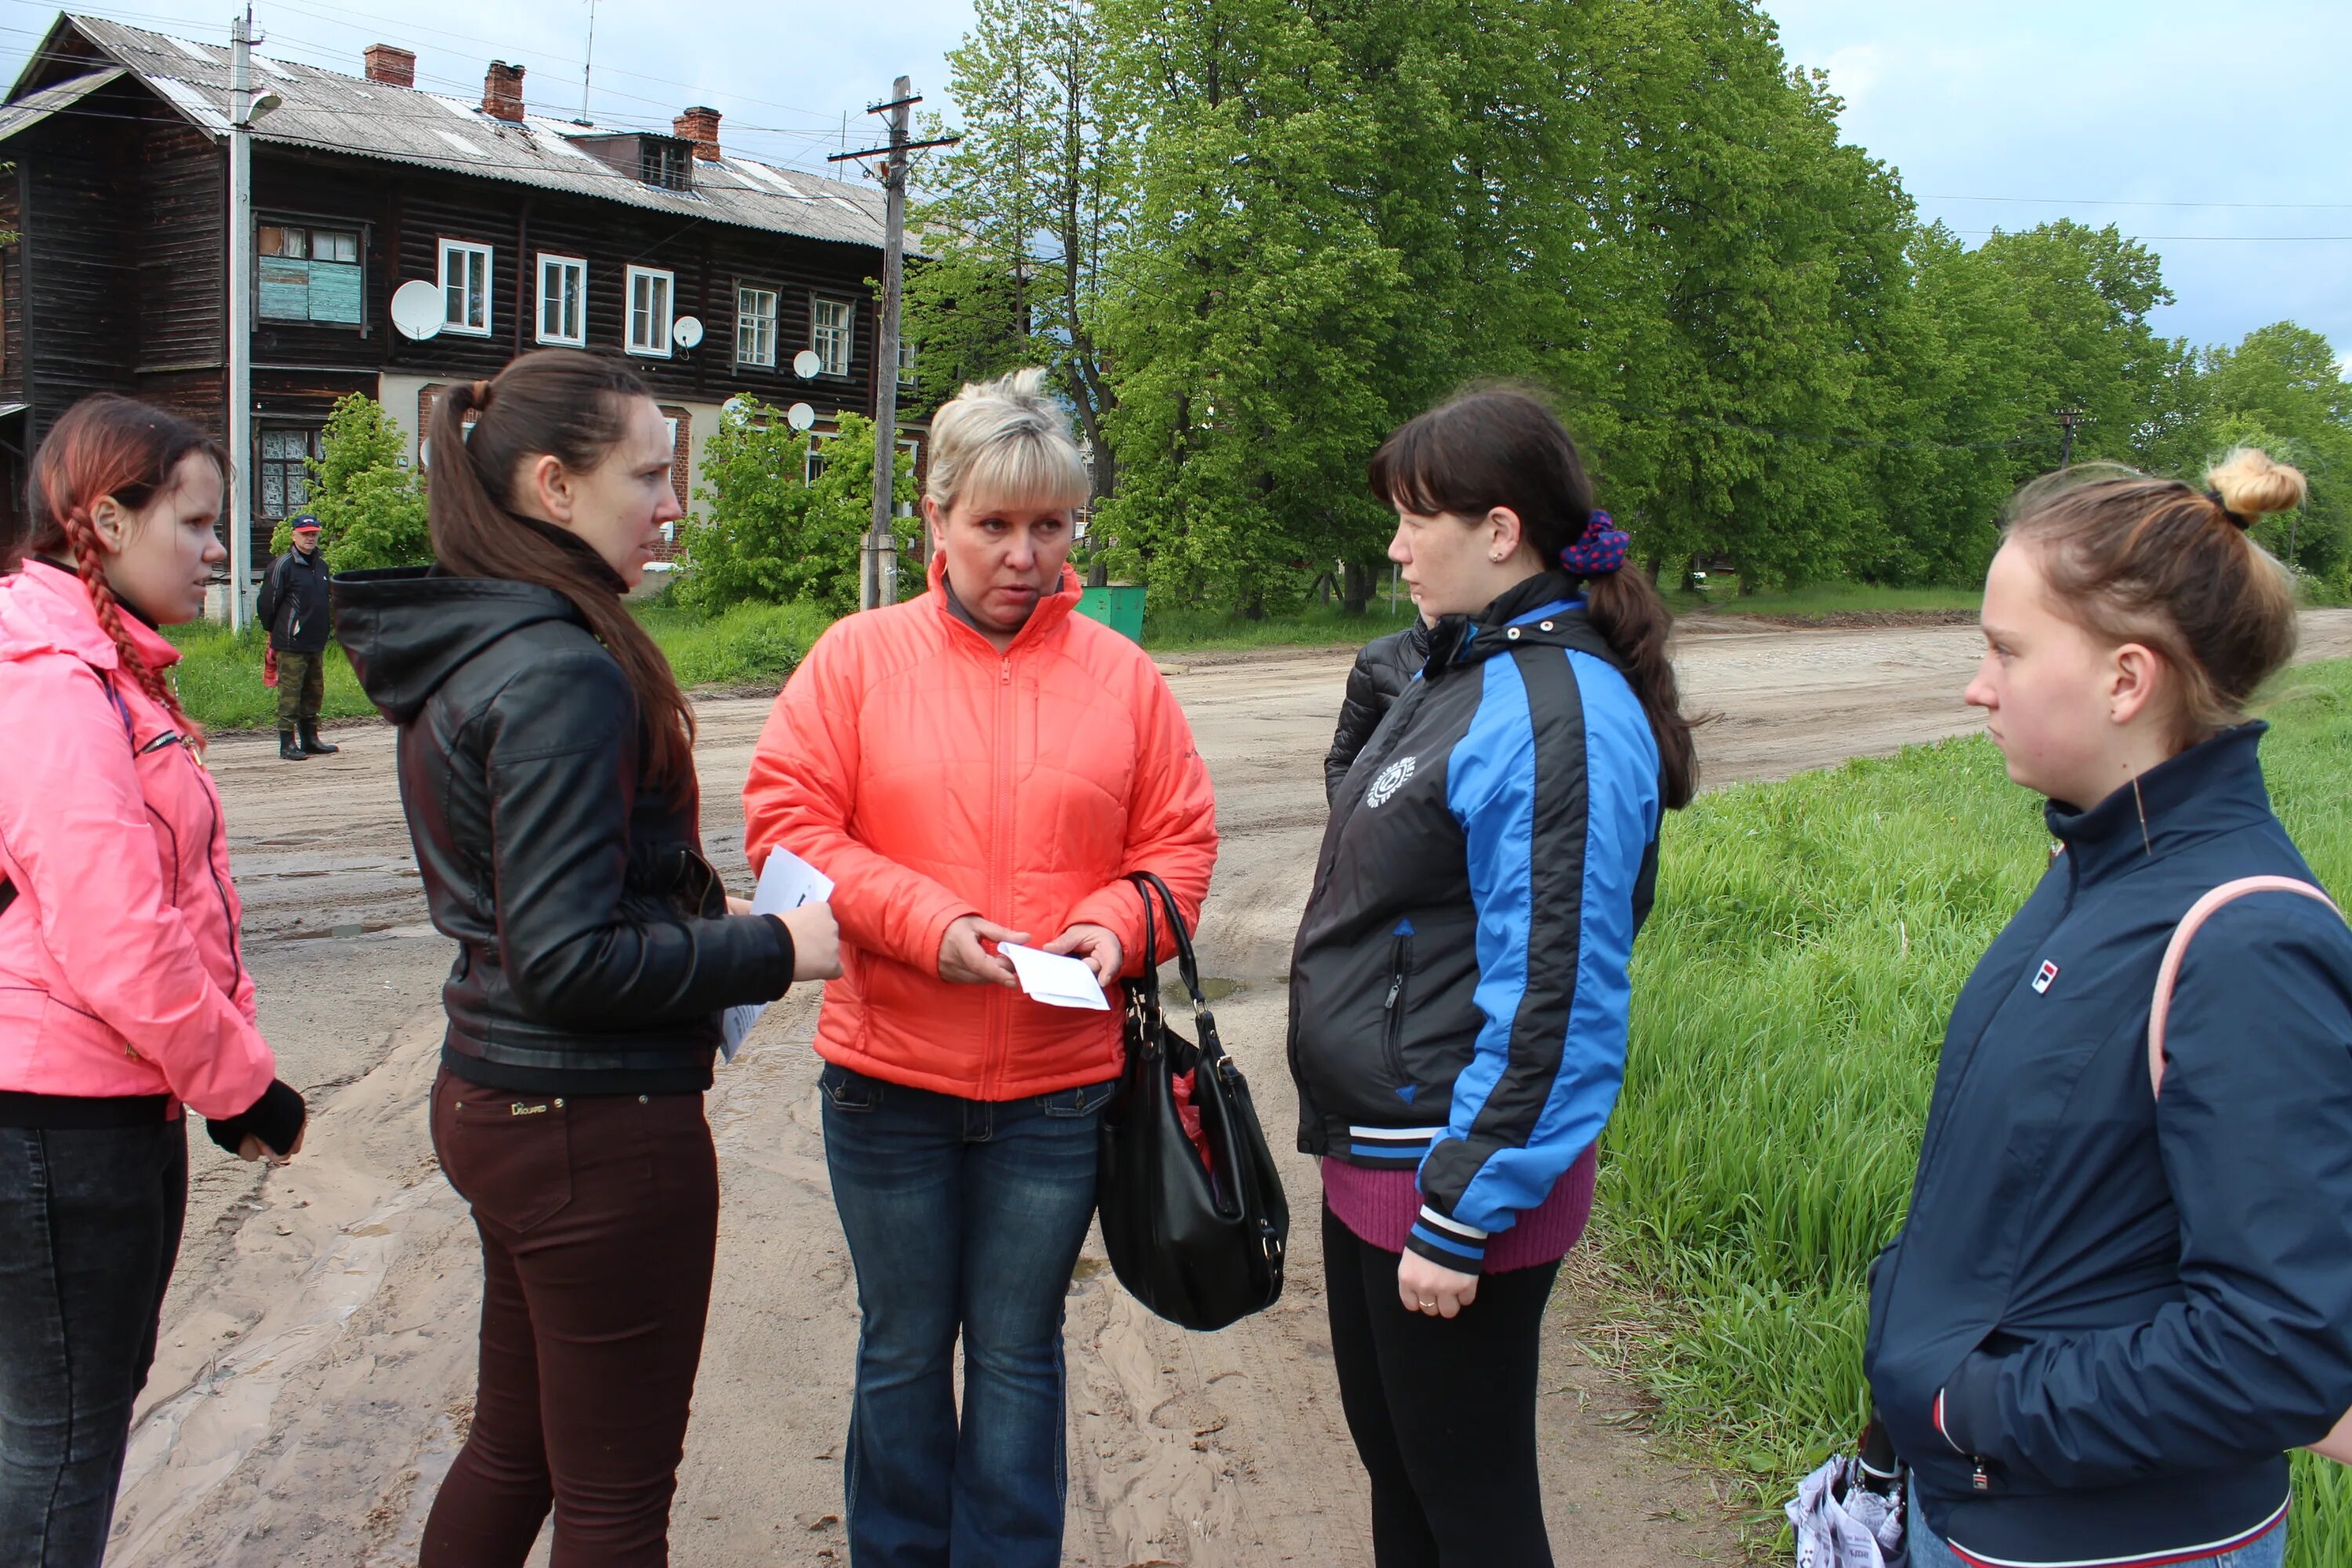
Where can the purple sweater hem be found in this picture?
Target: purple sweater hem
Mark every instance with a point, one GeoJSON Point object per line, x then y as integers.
{"type": "Point", "coordinates": [1380, 1206]}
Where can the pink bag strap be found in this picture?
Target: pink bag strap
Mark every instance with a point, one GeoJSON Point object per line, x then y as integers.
{"type": "Point", "coordinates": [2178, 949]}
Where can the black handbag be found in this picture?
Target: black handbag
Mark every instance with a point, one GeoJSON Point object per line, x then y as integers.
{"type": "Point", "coordinates": [1200, 1245]}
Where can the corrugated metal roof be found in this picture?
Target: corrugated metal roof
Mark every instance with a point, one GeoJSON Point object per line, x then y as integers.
{"type": "Point", "coordinates": [33, 107]}
{"type": "Point", "coordinates": [331, 112]}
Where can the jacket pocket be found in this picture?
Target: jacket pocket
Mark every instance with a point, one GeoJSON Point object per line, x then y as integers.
{"type": "Point", "coordinates": [1393, 1003]}
{"type": "Point", "coordinates": [508, 1154]}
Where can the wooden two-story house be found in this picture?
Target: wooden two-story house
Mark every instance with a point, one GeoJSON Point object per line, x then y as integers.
{"type": "Point", "coordinates": [535, 230]}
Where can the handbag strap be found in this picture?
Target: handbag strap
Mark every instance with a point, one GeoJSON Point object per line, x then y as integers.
{"type": "Point", "coordinates": [1148, 883]}
{"type": "Point", "coordinates": [2168, 971]}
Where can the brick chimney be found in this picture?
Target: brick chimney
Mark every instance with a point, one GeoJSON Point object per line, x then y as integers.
{"type": "Point", "coordinates": [392, 66]}
{"type": "Point", "coordinates": [700, 126]}
{"type": "Point", "coordinates": [502, 92]}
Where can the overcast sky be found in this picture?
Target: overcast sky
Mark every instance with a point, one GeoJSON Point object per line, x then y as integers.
{"type": "Point", "coordinates": [2217, 133]}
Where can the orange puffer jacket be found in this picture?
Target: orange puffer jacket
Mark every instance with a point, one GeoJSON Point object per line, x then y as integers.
{"type": "Point", "coordinates": [933, 778]}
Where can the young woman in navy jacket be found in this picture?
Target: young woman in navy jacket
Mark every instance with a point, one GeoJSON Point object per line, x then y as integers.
{"type": "Point", "coordinates": [2114, 1310]}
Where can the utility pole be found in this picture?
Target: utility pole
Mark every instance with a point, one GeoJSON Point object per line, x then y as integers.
{"type": "Point", "coordinates": [2068, 418]}
{"type": "Point", "coordinates": [588, 65]}
{"type": "Point", "coordinates": [240, 316]}
{"type": "Point", "coordinates": [877, 577]}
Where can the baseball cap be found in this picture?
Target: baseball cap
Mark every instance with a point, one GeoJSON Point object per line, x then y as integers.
{"type": "Point", "coordinates": [306, 523]}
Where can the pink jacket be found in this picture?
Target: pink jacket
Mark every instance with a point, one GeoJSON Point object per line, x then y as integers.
{"type": "Point", "coordinates": [120, 972]}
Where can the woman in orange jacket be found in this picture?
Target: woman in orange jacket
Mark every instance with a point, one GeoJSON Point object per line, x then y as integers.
{"type": "Point", "coordinates": [974, 767]}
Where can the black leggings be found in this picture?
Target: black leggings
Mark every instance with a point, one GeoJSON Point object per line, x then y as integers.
{"type": "Point", "coordinates": [1443, 1410]}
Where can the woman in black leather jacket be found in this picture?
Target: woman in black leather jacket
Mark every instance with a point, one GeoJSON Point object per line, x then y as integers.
{"type": "Point", "coordinates": [546, 765]}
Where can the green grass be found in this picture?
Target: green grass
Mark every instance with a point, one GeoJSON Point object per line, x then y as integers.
{"type": "Point", "coordinates": [219, 676]}
{"type": "Point", "coordinates": [751, 644]}
{"type": "Point", "coordinates": [1790, 998]}
{"type": "Point", "coordinates": [1827, 599]}
{"type": "Point", "coordinates": [1317, 625]}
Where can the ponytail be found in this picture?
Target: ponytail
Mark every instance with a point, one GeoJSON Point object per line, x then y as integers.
{"type": "Point", "coordinates": [1502, 446]}
{"type": "Point", "coordinates": [108, 445]}
{"type": "Point", "coordinates": [1627, 610]}
{"type": "Point", "coordinates": [573, 405]}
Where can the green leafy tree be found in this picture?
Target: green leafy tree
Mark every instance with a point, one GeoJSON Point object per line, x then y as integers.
{"type": "Point", "coordinates": [772, 534]}
{"type": "Point", "coordinates": [371, 509]}
{"type": "Point", "coordinates": [2280, 389]}
{"type": "Point", "coordinates": [1022, 213]}
{"type": "Point", "coordinates": [1252, 301]}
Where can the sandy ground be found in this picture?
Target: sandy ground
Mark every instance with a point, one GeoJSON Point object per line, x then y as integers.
{"type": "Point", "coordinates": [315, 1372]}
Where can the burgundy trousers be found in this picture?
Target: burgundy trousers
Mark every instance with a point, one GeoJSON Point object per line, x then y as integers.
{"type": "Point", "coordinates": [599, 1218]}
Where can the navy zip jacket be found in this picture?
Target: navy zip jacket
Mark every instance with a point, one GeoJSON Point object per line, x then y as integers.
{"type": "Point", "coordinates": [2108, 1316]}
{"type": "Point", "coordinates": [1457, 990]}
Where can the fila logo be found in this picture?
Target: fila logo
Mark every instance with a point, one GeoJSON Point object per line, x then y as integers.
{"type": "Point", "coordinates": [2049, 972]}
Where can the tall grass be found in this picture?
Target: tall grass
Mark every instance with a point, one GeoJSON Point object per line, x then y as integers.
{"type": "Point", "coordinates": [1790, 998]}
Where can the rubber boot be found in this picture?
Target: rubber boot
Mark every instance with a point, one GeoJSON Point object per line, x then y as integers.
{"type": "Point", "coordinates": [290, 749]}
{"type": "Point", "coordinates": [311, 742]}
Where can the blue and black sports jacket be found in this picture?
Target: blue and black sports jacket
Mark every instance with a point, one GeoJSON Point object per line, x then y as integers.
{"type": "Point", "coordinates": [2108, 1315]}
{"type": "Point", "coordinates": [1457, 990]}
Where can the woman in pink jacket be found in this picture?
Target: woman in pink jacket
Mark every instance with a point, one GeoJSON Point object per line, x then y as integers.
{"type": "Point", "coordinates": [122, 992]}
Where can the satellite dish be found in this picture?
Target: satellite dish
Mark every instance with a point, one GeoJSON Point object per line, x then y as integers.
{"type": "Point", "coordinates": [416, 309]}
{"type": "Point", "coordinates": [736, 408]}
{"type": "Point", "coordinates": [685, 332]}
{"type": "Point", "coordinates": [805, 365]}
{"type": "Point", "coordinates": [800, 417]}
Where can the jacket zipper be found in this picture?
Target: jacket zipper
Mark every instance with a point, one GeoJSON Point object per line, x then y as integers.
{"type": "Point", "coordinates": [1000, 894]}
{"type": "Point", "coordinates": [1393, 1043]}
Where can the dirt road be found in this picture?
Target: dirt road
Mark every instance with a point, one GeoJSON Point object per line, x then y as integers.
{"type": "Point", "coordinates": [315, 1370]}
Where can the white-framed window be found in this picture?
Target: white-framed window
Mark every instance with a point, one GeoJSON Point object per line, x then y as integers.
{"type": "Point", "coordinates": [830, 328]}
{"type": "Point", "coordinates": [307, 273]}
{"type": "Point", "coordinates": [562, 300]}
{"type": "Point", "coordinates": [650, 293]}
{"type": "Point", "coordinates": [465, 288]}
{"type": "Point", "coordinates": [906, 362]}
{"type": "Point", "coordinates": [755, 326]}
{"type": "Point", "coordinates": [814, 464]}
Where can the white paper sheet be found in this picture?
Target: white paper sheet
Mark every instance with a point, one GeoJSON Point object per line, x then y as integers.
{"type": "Point", "coordinates": [786, 882]}
{"type": "Point", "coordinates": [1056, 981]}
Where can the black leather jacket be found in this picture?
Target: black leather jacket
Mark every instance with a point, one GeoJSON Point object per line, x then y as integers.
{"type": "Point", "coordinates": [1383, 669]}
{"type": "Point", "coordinates": [594, 950]}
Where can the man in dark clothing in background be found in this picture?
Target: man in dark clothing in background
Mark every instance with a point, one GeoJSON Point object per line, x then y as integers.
{"type": "Point", "coordinates": [293, 606]}
{"type": "Point", "coordinates": [1383, 669]}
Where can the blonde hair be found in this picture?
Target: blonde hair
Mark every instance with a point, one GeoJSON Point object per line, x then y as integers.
{"type": "Point", "coordinates": [1007, 440]}
{"type": "Point", "coordinates": [2134, 559]}
{"type": "Point", "coordinates": [2252, 484]}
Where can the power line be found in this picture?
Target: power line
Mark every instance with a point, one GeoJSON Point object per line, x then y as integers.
{"type": "Point", "coordinates": [2117, 201]}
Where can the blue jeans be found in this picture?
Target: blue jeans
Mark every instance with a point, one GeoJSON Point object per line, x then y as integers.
{"type": "Point", "coordinates": [961, 1214]}
{"type": "Point", "coordinates": [90, 1227]}
{"type": "Point", "coordinates": [1927, 1550]}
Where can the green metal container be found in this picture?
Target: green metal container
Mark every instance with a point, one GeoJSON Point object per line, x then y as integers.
{"type": "Point", "coordinates": [1119, 607]}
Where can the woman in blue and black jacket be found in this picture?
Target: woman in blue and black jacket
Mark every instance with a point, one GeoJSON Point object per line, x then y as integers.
{"type": "Point", "coordinates": [2112, 1311]}
{"type": "Point", "coordinates": [1458, 989]}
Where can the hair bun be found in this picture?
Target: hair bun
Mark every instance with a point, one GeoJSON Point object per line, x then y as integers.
{"type": "Point", "coordinates": [2251, 485]}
